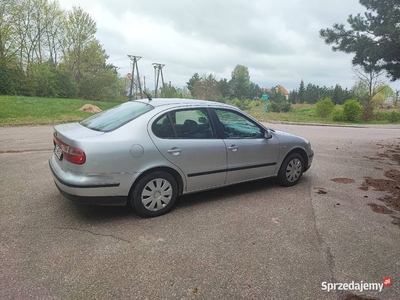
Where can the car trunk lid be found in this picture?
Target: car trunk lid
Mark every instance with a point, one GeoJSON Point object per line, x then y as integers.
{"type": "Point", "coordinates": [67, 134]}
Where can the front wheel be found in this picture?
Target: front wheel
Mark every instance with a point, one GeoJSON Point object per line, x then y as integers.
{"type": "Point", "coordinates": [154, 194]}
{"type": "Point", "coordinates": [291, 170]}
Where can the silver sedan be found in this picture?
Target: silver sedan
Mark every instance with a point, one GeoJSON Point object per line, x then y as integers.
{"type": "Point", "coordinates": [149, 152]}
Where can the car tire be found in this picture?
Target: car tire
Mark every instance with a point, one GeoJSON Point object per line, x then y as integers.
{"type": "Point", "coordinates": [154, 194]}
{"type": "Point", "coordinates": [291, 170]}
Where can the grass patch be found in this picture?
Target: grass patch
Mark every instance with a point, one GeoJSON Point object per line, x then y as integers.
{"type": "Point", "coordinates": [305, 113]}
{"type": "Point", "coordinates": [17, 110]}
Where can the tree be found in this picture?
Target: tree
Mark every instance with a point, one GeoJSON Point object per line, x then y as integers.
{"type": "Point", "coordinates": [46, 51]}
{"type": "Point", "coordinates": [396, 98]}
{"type": "Point", "coordinates": [312, 93]}
{"type": "Point", "coordinates": [338, 95]}
{"type": "Point", "coordinates": [384, 92]}
{"type": "Point", "coordinates": [192, 83]}
{"type": "Point", "coordinates": [81, 29]}
{"type": "Point", "coordinates": [207, 88]}
{"type": "Point", "coordinates": [7, 32]}
{"type": "Point", "coordinates": [371, 79]}
{"type": "Point", "coordinates": [254, 91]}
{"type": "Point", "coordinates": [360, 92]}
{"type": "Point", "coordinates": [301, 93]}
{"type": "Point", "coordinates": [223, 87]}
{"type": "Point", "coordinates": [293, 96]}
{"type": "Point", "coordinates": [240, 82]}
{"type": "Point", "coordinates": [373, 38]}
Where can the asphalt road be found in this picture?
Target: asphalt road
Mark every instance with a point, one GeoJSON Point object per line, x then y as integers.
{"type": "Point", "coordinates": [251, 241]}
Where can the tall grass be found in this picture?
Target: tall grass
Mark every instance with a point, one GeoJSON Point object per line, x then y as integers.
{"type": "Point", "coordinates": [17, 110]}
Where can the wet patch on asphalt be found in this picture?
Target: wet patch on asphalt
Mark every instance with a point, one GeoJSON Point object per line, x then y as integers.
{"type": "Point", "coordinates": [320, 190]}
{"type": "Point", "coordinates": [389, 184]}
{"type": "Point", "coordinates": [343, 180]}
{"type": "Point", "coordinates": [380, 209]}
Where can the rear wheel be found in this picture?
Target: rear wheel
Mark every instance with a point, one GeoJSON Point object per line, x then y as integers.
{"type": "Point", "coordinates": [154, 194]}
{"type": "Point", "coordinates": [291, 170]}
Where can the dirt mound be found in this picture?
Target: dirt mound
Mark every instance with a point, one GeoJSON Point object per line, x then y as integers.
{"type": "Point", "coordinates": [90, 108]}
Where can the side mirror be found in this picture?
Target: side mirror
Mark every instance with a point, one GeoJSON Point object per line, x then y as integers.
{"type": "Point", "coordinates": [268, 134]}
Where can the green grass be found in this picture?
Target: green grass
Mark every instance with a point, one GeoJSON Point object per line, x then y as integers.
{"type": "Point", "coordinates": [304, 113]}
{"type": "Point", "coordinates": [301, 113]}
{"type": "Point", "coordinates": [17, 110]}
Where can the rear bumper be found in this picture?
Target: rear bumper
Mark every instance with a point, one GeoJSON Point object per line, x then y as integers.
{"type": "Point", "coordinates": [104, 200]}
{"type": "Point", "coordinates": [99, 190]}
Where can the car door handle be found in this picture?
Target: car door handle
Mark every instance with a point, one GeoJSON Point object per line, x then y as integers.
{"type": "Point", "coordinates": [174, 151]}
{"type": "Point", "coordinates": [233, 148]}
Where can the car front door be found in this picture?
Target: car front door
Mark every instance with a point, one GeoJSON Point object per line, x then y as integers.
{"type": "Point", "coordinates": [250, 154]}
{"type": "Point", "coordinates": [187, 139]}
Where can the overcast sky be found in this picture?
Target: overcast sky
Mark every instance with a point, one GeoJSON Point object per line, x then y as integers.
{"type": "Point", "coordinates": [277, 40]}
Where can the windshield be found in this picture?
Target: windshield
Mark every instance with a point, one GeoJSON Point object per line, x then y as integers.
{"type": "Point", "coordinates": [115, 117]}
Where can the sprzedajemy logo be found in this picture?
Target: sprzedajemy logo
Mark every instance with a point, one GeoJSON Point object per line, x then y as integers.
{"type": "Point", "coordinates": [356, 286]}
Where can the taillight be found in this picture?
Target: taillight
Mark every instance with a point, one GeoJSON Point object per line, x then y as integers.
{"type": "Point", "coordinates": [75, 156]}
{"type": "Point", "coordinates": [71, 154]}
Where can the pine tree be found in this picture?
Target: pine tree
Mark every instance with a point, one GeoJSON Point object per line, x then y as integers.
{"type": "Point", "coordinates": [374, 37]}
{"type": "Point", "coordinates": [302, 91]}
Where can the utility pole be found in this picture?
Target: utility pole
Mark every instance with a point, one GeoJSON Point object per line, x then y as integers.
{"type": "Point", "coordinates": [158, 67]}
{"type": "Point", "coordinates": [155, 80]}
{"type": "Point", "coordinates": [134, 60]}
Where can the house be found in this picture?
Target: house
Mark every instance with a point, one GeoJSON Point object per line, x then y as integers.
{"type": "Point", "coordinates": [283, 91]}
{"type": "Point", "coordinates": [278, 88]}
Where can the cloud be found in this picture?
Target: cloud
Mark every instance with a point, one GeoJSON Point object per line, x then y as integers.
{"type": "Point", "coordinates": [277, 40]}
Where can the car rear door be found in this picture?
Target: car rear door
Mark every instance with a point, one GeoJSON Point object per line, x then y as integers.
{"type": "Point", "coordinates": [186, 138]}
{"type": "Point", "coordinates": [250, 155]}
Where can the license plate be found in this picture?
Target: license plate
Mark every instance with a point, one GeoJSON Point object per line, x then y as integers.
{"type": "Point", "coordinates": [57, 151]}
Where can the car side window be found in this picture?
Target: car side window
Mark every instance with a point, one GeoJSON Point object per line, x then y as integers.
{"type": "Point", "coordinates": [162, 128]}
{"type": "Point", "coordinates": [192, 124]}
{"type": "Point", "coordinates": [237, 126]}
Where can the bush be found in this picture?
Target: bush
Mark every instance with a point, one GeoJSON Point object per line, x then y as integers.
{"type": "Point", "coordinates": [352, 110]}
{"type": "Point", "coordinates": [392, 117]}
{"type": "Point", "coordinates": [241, 104]}
{"type": "Point", "coordinates": [255, 103]}
{"type": "Point", "coordinates": [10, 78]}
{"type": "Point", "coordinates": [280, 105]}
{"type": "Point", "coordinates": [324, 107]}
{"type": "Point", "coordinates": [66, 88]}
{"type": "Point", "coordinates": [338, 115]}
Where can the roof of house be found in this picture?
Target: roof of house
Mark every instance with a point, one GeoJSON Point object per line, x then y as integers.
{"type": "Point", "coordinates": [283, 90]}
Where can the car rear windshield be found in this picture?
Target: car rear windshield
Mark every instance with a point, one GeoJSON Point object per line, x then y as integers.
{"type": "Point", "coordinates": [115, 117]}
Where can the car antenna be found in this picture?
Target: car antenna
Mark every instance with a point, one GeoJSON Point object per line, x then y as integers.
{"type": "Point", "coordinates": [147, 95]}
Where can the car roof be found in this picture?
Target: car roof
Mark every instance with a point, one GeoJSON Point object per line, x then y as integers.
{"type": "Point", "coordinates": [157, 102]}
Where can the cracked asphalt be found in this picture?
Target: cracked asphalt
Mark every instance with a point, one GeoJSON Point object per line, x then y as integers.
{"type": "Point", "coordinates": [251, 241]}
